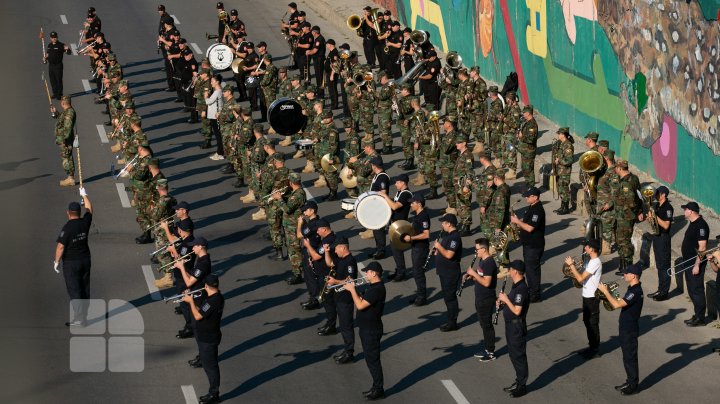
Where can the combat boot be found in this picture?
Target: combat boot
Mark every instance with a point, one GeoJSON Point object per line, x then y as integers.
{"type": "Point", "coordinates": [332, 196]}
{"type": "Point", "coordinates": [320, 182]}
{"type": "Point", "coordinates": [309, 167]}
{"type": "Point", "coordinates": [68, 182]}
{"type": "Point", "coordinates": [299, 154]}
{"type": "Point", "coordinates": [259, 215]}
{"type": "Point", "coordinates": [250, 197]}
{"type": "Point", "coordinates": [278, 256]}
{"type": "Point", "coordinates": [165, 282]}
{"type": "Point", "coordinates": [563, 209]}
{"type": "Point", "coordinates": [366, 235]}
{"type": "Point", "coordinates": [465, 230]}
{"type": "Point", "coordinates": [286, 142]}
{"type": "Point", "coordinates": [206, 144]}
{"type": "Point", "coordinates": [404, 163]}
{"type": "Point", "coordinates": [451, 211]}
{"type": "Point", "coordinates": [238, 183]}
{"type": "Point", "coordinates": [510, 174]}
{"type": "Point", "coordinates": [271, 131]}
{"type": "Point", "coordinates": [419, 180]}
{"type": "Point", "coordinates": [294, 279]}
{"type": "Point", "coordinates": [606, 248]}
{"type": "Point", "coordinates": [479, 148]}
{"type": "Point", "coordinates": [432, 194]}
{"type": "Point", "coordinates": [227, 169]}
{"type": "Point", "coordinates": [386, 150]}
{"type": "Point", "coordinates": [116, 147]}
{"type": "Point", "coordinates": [145, 238]}
{"type": "Point", "coordinates": [410, 165]}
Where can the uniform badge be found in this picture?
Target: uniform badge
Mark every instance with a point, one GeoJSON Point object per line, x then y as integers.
{"type": "Point", "coordinates": [453, 244]}
{"type": "Point", "coordinates": [351, 269]}
{"type": "Point", "coordinates": [62, 233]}
{"type": "Point", "coordinates": [197, 273]}
{"type": "Point", "coordinates": [629, 296]}
{"type": "Point", "coordinates": [205, 307]}
{"type": "Point", "coordinates": [425, 225]}
{"type": "Point", "coordinates": [321, 250]}
{"type": "Point", "coordinates": [534, 218]}
{"type": "Point", "coordinates": [518, 299]}
{"type": "Point", "coordinates": [702, 232]}
{"type": "Point", "coordinates": [669, 213]}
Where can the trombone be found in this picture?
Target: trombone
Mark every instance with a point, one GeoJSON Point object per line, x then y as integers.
{"type": "Point", "coordinates": [178, 298]}
{"type": "Point", "coordinates": [127, 166]}
{"type": "Point", "coordinates": [700, 254]}
{"type": "Point", "coordinates": [341, 287]}
{"type": "Point", "coordinates": [184, 258]}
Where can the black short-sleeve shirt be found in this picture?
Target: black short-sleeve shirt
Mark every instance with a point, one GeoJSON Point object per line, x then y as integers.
{"type": "Point", "coordinates": [309, 231]}
{"type": "Point", "coordinates": [182, 246]}
{"type": "Point", "coordinates": [307, 39]}
{"type": "Point", "coordinates": [381, 182]}
{"type": "Point", "coordinates": [55, 52]}
{"type": "Point", "coordinates": [74, 237]}
{"type": "Point", "coordinates": [665, 212]}
{"type": "Point", "coordinates": [695, 232]}
{"type": "Point", "coordinates": [320, 265]}
{"type": "Point", "coordinates": [319, 44]}
{"type": "Point", "coordinates": [345, 267]}
{"type": "Point", "coordinates": [452, 242]}
{"type": "Point", "coordinates": [519, 295]}
{"type": "Point", "coordinates": [199, 271]}
{"type": "Point", "coordinates": [420, 223]}
{"type": "Point", "coordinates": [208, 328]}
{"type": "Point", "coordinates": [371, 317]}
{"type": "Point", "coordinates": [486, 267]}
{"type": "Point", "coordinates": [630, 314]}
{"type": "Point", "coordinates": [535, 217]}
{"type": "Point", "coordinates": [402, 212]}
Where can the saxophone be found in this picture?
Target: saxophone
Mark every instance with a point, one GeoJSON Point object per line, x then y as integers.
{"type": "Point", "coordinates": [511, 229]}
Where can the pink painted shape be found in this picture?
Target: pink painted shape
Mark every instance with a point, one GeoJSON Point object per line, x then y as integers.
{"type": "Point", "coordinates": [514, 51]}
{"type": "Point", "coordinates": [664, 151]}
{"type": "Point", "coordinates": [422, 8]}
{"type": "Point", "coordinates": [577, 8]}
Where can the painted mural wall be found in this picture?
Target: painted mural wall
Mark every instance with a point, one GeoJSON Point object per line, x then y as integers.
{"type": "Point", "coordinates": [642, 73]}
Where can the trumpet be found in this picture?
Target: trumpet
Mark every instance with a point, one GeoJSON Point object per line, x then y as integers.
{"type": "Point", "coordinates": [268, 196]}
{"type": "Point", "coordinates": [161, 221]}
{"type": "Point", "coordinates": [178, 298]}
{"type": "Point", "coordinates": [192, 83]}
{"type": "Point", "coordinates": [357, 282]}
{"type": "Point", "coordinates": [161, 249]}
{"type": "Point", "coordinates": [184, 258]}
{"type": "Point", "coordinates": [127, 166]}
{"type": "Point", "coordinates": [326, 287]}
{"type": "Point", "coordinates": [85, 48]}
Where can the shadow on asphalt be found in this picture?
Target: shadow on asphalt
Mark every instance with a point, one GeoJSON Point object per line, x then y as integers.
{"type": "Point", "coordinates": [686, 355]}
{"type": "Point", "coordinates": [10, 184]}
{"type": "Point", "coordinates": [127, 66]}
{"type": "Point", "coordinates": [13, 165]}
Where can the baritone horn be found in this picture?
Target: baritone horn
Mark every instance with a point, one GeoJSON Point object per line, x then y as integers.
{"type": "Point", "coordinates": [579, 266]}
{"type": "Point", "coordinates": [613, 289]}
{"type": "Point", "coordinates": [648, 193]}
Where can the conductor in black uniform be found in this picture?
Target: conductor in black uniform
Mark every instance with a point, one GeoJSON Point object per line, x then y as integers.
{"type": "Point", "coordinates": [370, 308]}
{"type": "Point", "coordinates": [515, 307]}
{"type": "Point", "coordinates": [419, 246]}
{"type": "Point", "coordinates": [345, 269]}
{"type": "Point", "coordinates": [54, 58]}
{"type": "Point", "coordinates": [72, 257]}
{"type": "Point", "coordinates": [448, 252]}
{"type": "Point", "coordinates": [532, 238]}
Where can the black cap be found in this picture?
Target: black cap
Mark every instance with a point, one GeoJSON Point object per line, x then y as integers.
{"type": "Point", "coordinates": [593, 243]}
{"type": "Point", "coordinates": [185, 225]}
{"type": "Point", "coordinates": [182, 205]}
{"type": "Point", "coordinates": [168, 20]}
{"type": "Point", "coordinates": [315, 28]}
{"type": "Point", "coordinates": [367, 8]}
{"type": "Point", "coordinates": [161, 8]}
{"type": "Point", "coordinates": [199, 241]}
{"type": "Point", "coordinates": [219, 5]}
{"type": "Point", "coordinates": [344, 46]}
{"type": "Point", "coordinates": [518, 266]}
{"type": "Point", "coordinates": [330, 42]}
{"type": "Point", "coordinates": [403, 177]}
{"type": "Point", "coordinates": [450, 218]}
{"type": "Point", "coordinates": [212, 280]}
{"type": "Point", "coordinates": [74, 207]}
{"type": "Point", "coordinates": [692, 206]}
{"type": "Point", "coordinates": [292, 5]}
{"type": "Point", "coordinates": [531, 191]}
{"type": "Point", "coordinates": [662, 189]}
{"type": "Point", "coordinates": [233, 12]}
{"type": "Point", "coordinates": [431, 53]}
{"type": "Point", "coordinates": [91, 9]}
{"type": "Point", "coordinates": [249, 45]}
{"type": "Point", "coordinates": [301, 13]}
{"type": "Point", "coordinates": [376, 161]}
{"type": "Point", "coordinates": [53, 34]}
{"type": "Point", "coordinates": [322, 223]}
{"type": "Point", "coordinates": [262, 44]}
{"type": "Point", "coordinates": [634, 269]}
{"type": "Point", "coordinates": [310, 205]}
{"type": "Point", "coordinates": [418, 197]}
{"type": "Point", "coordinates": [374, 266]}
{"type": "Point", "coordinates": [408, 30]}
{"type": "Point", "coordinates": [342, 240]}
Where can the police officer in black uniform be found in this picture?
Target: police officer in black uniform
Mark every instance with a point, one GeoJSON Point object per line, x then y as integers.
{"type": "Point", "coordinates": [317, 54]}
{"type": "Point", "coordinates": [370, 308]}
{"type": "Point", "coordinates": [661, 242]}
{"type": "Point", "coordinates": [370, 36]}
{"type": "Point", "coordinates": [190, 70]}
{"type": "Point", "coordinates": [694, 242]}
{"type": "Point", "coordinates": [448, 252]}
{"type": "Point", "coordinates": [400, 205]}
{"type": "Point", "coordinates": [207, 313]}
{"type": "Point", "coordinates": [484, 276]}
{"type": "Point", "coordinates": [532, 238]}
{"type": "Point", "coordinates": [182, 246]}
{"type": "Point", "coordinates": [304, 46]}
{"type": "Point", "coordinates": [193, 277]}
{"type": "Point", "coordinates": [429, 84]}
{"type": "Point", "coordinates": [54, 58]}
{"type": "Point", "coordinates": [394, 43]}
{"type": "Point", "coordinates": [407, 59]}
{"type": "Point", "coordinates": [251, 63]}
{"type": "Point", "coordinates": [515, 307]}
{"type": "Point", "coordinates": [345, 270]}
{"type": "Point", "coordinates": [631, 305]}
{"type": "Point", "coordinates": [310, 239]}
{"type": "Point", "coordinates": [419, 246]}
{"type": "Point", "coordinates": [165, 40]}
{"type": "Point", "coordinates": [379, 184]}
{"type": "Point", "coordinates": [331, 83]}
{"type": "Point", "coordinates": [72, 257]}
{"type": "Point", "coordinates": [221, 24]}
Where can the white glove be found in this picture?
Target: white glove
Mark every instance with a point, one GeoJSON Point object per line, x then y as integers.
{"type": "Point", "coordinates": [56, 266]}
{"type": "Point", "coordinates": [83, 193]}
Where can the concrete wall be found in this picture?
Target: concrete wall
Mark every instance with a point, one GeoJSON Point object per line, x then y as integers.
{"type": "Point", "coordinates": [642, 73]}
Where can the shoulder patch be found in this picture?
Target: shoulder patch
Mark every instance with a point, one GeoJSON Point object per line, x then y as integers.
{"type": "Point", "coordinates": [702, 232]}
{"type": "Point", "coordinates": [205, 307]}
{"type": "Point", "coordinates": [453, 244]}
{"type": "Point", "coordinates": [534, 218]}
{"type": "Point", "coordinates": [518, 298]}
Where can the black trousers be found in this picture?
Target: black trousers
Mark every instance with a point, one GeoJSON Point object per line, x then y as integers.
{"type": "Point", "coordinates": [591, 318]}
{"type": "Point", "coordinates": [169, 72]}
{"type": "Point", "coordinates": [485, 309]}
{"type": "Point", "coordinates": [408, 63]}
{"type": "Point", "coordinates": [661, 250]}
{"type": "Point", "coordinates": [532, 257]}
{"type": "Point", "coordinates": [393, 68]}
{"type": "Point", "coordinates": [418, 255]}
{"type": "Point", "coordinates": [319, 65]}
{"type": "Point", "coordinates": [380, 238]}
{"type": "Point", "coordinates": [311, 278]}
{"type": "Point", "coordinates": [370, 339]}
{"type": "Point", "coordinates": [369, 50]}
{"type": "Point", "coordinates": [516, 333]}
{"type": "Point", "coordinates": [696, 290]}
{"type": "Point", "coordinates": [330, 308]}
{"type": "Point", "coordinates": [399, 257]}
{"type": "Point", "coordinates": [345, 311]}
{"type": "Point", "coordinates": [302, 63]}
{"type": "Point", "coordinates": [629, 346]}
{"type": "Point", "coordinates": [432, 93]}
{"type": "Point", "coordinates": [209, 358]}
{"type": "Point", "coordinates": [55, 71]}
{"type": "Point", "coordinates": [187, 95]}
{"type": "Point", "coordinates": [77, 283]}
{"type": "Point", "coordinates": [263, 105]}
{"type": "Point", "coordinates": [380, 54]}
{"type": "Point", "coordinates": [332, 91]}
{"type": "Point", "coordinates": [240, 84]}
{"type": "Point", "coordinates": [449, 279]}
{"type": "Point", "coordinates": [218, 136]}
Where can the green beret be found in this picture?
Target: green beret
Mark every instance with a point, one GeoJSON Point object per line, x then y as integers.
{"type": "Point", "coordinates": [604, 143]}
{"type": "Point", "coordinates": [592, 135]}
{"type": "Point", "coordinates": [294, 178]}
{"type": "Point", "coordinates": [528, 108]}
{"type": "Point", "coordinates": [162, 183]}
{"type": "Point", "coordinates": [564, 130]}
{"type": "Point", "coordinates": [259, 128]}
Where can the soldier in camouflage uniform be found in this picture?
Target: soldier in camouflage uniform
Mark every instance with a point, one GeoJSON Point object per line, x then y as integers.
{"type": "Point", "coordinates": [607, 186]}
{"type": "Point", "coordinates": [353, 103]}
{"type": "Point", "coordinates": [242, 135]}
{"type": "Point", "coordinates": [484, 187]}
{"type": "Point", "coordinates": [366, 96]}
{"type": "Point", "coordinates": [139, 180]}
{"type": "Point", "coordinates": [405, 111]}
{"type": "Point", "coordinates": [225, 119]}
{"type": "Point", "coordinates": [498, 213]}
{"type": "Point", "coordinates": [385, 96]}
{"type": "Point", "coordinates": [462, 178]}
{"type": "Point", "coordinates": [125, 130]}
{"type": "Point", "coordinates": [628, 208]}
{"type": "Point", "coordinates": [266, 180]}
{"type": "Point", "coordinates": [493, 122]}
{"type": "Point", "coordinates": [477, 109]}
{"type": "Point", "coordinates": [283, 91]}
{"type": "Point", "coordinates": [449, 87]}
{"type": "Point", "coordinates": [352, 140]}
{"type": "Point", "coordinates": [311, 132]}
{"type": "Point", "coordinates": [527, 145]}
{"type": "Point", "coordinates": [159, 209]}
{"type": "Point", "coordinates": [274, 207]}
{"type": "Point", "coordinates": [562, 158]}
{"type": "Point", "coordinates": [116, 98]}
{"type": "Point", "coordinates": [268, 85]}
{"type": "Point", "coordinates": [328, 144]}
{"type": "Point", "coordinates": [360, 165]}
{"type": "Point", "coordinates": [256, 159]}
{"type": "Point", "coordinates": [291, 207]}
{"type": "Point", "coordinates": [510, 125]}
{"type": "Point", "coordinates": [448, 158]}
{"type": "Point", "coordinates": [64, 138]}
{"type": "Point", "coordinates": [428, 152]}
{"type": "Point", "coordinates": [201, 86]}
{"type": "Point", "coordinates": [464, 92]}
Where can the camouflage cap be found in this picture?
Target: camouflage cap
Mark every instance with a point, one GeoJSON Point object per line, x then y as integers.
{"type": "Point", "coordinates": [66, 98]}
{"type": "Point", "coordinates": [511, 95]}
{"type": "Point", "coordinates": [206, 71]}
{"type": "Point", "coordinates": [406, 86]}
{"type": "Point", "coordinates": [295, 178]}
{"type": "Point", "coordinates": [123, 83]}
{"type": "Point", "coordinates": [227, 88]}
{"type": "Point", "coordinates": [604, 143]}
{"type": "Point", "coordinates": [162, 183]}
{"type": "Point", "coordinates": [451, 118]}
{"type": "Point", "coordinates": [592, 135]}
{"type": "Point", "coordinates": [500, 174]}
{"type": "Point", "coordinates": [382, 73]}
{"type": "Point", "coordinates": [277, 157]}
{"type": "Point", "coordinates": [237, 108]}
{"type": "Point", "coordinates": [282, 70]}
{"type": "Point", "coordinates": [111, 56]}
{"type": "Point", "coordinates": [259, 128]}
{"type": "Point", "coordinates": [493, 90]}
{"type": "Point", "coordinates": [475, 69]}
{"type": "Point", "coordinates": [609, 154]}
{"type": "Point", "coordinates": [311, 89]}
{"type": "Point", "coordinates": [564, 130]}
{"type": "Point", "coordinates": [368, 142]}
{"type": "Point", "coordinates": [484, 154]}
{"type": "Point", "coordinates": [144, 144]}
{"type": "Point", "coordinates": [528, 108]}
{"type": "Point", "coordinates": [347, 123]}
{"type": "Point", "coordinates": [130, 104]}
{"type": "Point", "coordinates": [622, 164]}
{"type": "Point", "coordinates": [246, 111]}
{"type": "Point", "coordinates": [268, 57]}
{"type": "Point", "coordinates": [461, 138]}
{"type": "Point", "coordinates": [296, 76]}
{"type": "Point", "coordinates": [155, 162]}
{"type": "Point", "coordinates": [414, 98]}
{"type": "Point", "coordinates": [327, 114]}
{"type": "Point", "coordinates": [489, 176]}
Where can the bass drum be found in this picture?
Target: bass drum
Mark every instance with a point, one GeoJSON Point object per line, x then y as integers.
{"type": "Point", "coordinates": [372, 211]}
{"type": "Point", "coordinates": [286, 117]}
{"type": "Point", "coordinates": [220, 56]}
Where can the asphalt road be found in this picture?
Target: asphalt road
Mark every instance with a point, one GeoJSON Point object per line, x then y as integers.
{"type": "Point", "coordinates": [270, 352]}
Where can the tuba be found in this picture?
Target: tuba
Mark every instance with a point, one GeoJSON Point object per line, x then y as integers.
{"type": "Point", "coordinates": [355, 22]}
{"type": "Point", "coordinates": [579, 265]}
{"type": "Point", "coordinates": [434, 120]}
{"type": "Point", "coordinates": [453, 64]}
{"type": "Point", "coordinates": [590, 164]}
{"type": "Point", "coordinates": [648, 193]}
{"type": "Point", "coordinates": [613, 289]}
{"type": "Point", "coordinates": [411, 75]}
{"type": "Point", "coordinates": [419, 38]}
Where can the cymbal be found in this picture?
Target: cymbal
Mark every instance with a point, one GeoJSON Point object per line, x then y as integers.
{"type": "Point", "coordinates": [398, 230]}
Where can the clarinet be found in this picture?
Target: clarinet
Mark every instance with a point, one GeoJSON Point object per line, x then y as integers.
{"type": "Point", "coordinates": [499, 305]}
{"type": "Point", "coordinates": [432, 251]}
{"type": "Point", "coordinates": [461, 283]}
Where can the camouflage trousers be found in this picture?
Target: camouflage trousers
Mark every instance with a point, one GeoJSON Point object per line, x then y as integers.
{"type": "Point", "coordinates": [332, 179]}
{"type": "Point", "coordinates": [484, 224]}
{"type": "Point", "coordinates": [270, 95]}
{"type": "Point", "coordinates": [161, 241]}
{"type": "Point", "coordinates": [509, 150]}
{"type": "Point", "coordinates": [407, 141]}
{"type": "Point", "coordinates": [206, 129]}
{"type": "Point", "coordinates": [447, 182]}
{"type": "Point", "coordinates": [607, 220]}
{"type": "Point", "coordinates": [68, 163]}
{"type": "Point", "coordinates": [366, 123]}
{"type": "Point", "coordinates": [427, 168]}
{"type": "Point", "coordinates": [293, 245]}
{"type": "Point", "coordinates": [450, 104]}
{"type": "Point", "coordinates": [464, 212]}
{"type": "Point", "coordinates": [527, 162]}
{"type": "Point", "coordinates": [385, 126]}
{"type": "Point", "coordinates": [363, 184]}
{"type": "Point", "coordinates": [623, 235]}
{"type": "Point", "coordinates": [563, 186]}
{"type": "Point", "coordinates": [274, 219]}
{"type": "Point", "coordinates": [495, 138]}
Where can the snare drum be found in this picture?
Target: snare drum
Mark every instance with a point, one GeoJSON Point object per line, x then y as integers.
{"type": "Point", "coordinates": [372, 211]}
{"type": "Point", "coordinates": [348, 204]}
{"type": "Point", "coordinates": [304, 144]}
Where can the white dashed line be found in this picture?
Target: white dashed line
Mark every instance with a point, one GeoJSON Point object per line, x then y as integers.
{"type": "Point", "coordinates": [177, 22]}
{"type": "Point", "coordinates": [73, 47]}
{"type": "Point", "coordinates": [86, 85]}
{"type": "Point", "coordinates": [455, 392]}
{"type": "Point", "coordinates": [189, 393]}
{"type": "Point", "coordinates": [308, 195]}
{"type": "Point", "coordinates": [63, 19]}
{"type": "Point", "coordinates": [124, 200]}
{"type": "Point", "coordinates": [196, 48]}
{"type": "Point", "coordinates": [102, 133]}
{"type": "Point", "coordinates": [150, 280]}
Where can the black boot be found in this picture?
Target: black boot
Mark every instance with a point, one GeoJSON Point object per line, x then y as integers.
{"type": "Point", "coordinates": [332, 196]}
{"type": "Point", "coordinates": [403, 164]}
{"type": "Point", "coordinates": [563, 209]}
{"type": "Point", "coordinates": [410, 165]}
{"type": "Point", "coordinates": [621, 270]}
{"type": "Point", "coordinates": [572, 207]}
{"type": "Point", "coordinates": [193, 117]}
{"type": "Point", "coordinates": [239, 182]}
{"type": "Point", "coordinates": [145, 238]}
{"type": "Point", "coordinates": [278, 255]}
{"type": "Point", "coordinates": [227, 169]}
{"type": "Point", "coordinates": [205, 144]}
{"type": "Point", "coordinates": [387, 150]}
{"type": "Point", "coordinates": [465, 230]}
{"type": "Point", "coordinates": [432, 194]}
{"type": "Point", "coordinates": [294, 279]}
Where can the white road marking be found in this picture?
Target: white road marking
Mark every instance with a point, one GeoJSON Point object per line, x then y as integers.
{"type": "Point", "coordinates": [455, 392]}
{"type": "Point", "coordinates": [73, 47]}
{"type": "Point", "coordinates": [189, 393]}
{"type": "Point", "coordinates": [86, 85]}
{"type": "Point", "coordinates": [177, 22]}
{"type": "Point", "coordinates": [196, 48]}
{"type": "Point", "coordinates": [124, 200]}
{"type": "Point", "coordinates": [150, 280]}
{"type": "Point", "coordinates": [102, 133]}
{"type": "Point", "coordinates": [308, 195]}
{"type": "Point", "coordinates": [63, 19]}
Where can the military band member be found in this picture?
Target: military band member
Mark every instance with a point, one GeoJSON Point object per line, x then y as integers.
{"type": "Point", "coordinates": [64, 138]}
{"type": "Point", "coordinates": [379, 184]}
{"type": "Point", "coordinates": [385, 31]}
{"type": "Point", "coordinates": [268, 85]}
{"type": "Point", "coordinates": [54, 59]}
{"type": "Point", "coordinates": [448, 252]}
{"type": "Point", "coordinates": [352, 144]}
{"type": "Point", "coordinates": [256, 159]}
{"type": "Point", "coordinates": [563, 157]}
{"type": "Point", "coordinates": [419, 246]}
{"type": "Point", "coordinates": [400, 205]}
{"type": "Point", "coordinates": [394, 42]}
{"type": "Point", "coordinates": [274, 208]}
{"type": "Point", "coordinates": [429, 79]}
{"type": "Point", "coordinates": [515, 307]}
{"type": "Point", "coordinates": [527, 145]}
{"type": "Point", "coordinates": [192, 274]}
{"type": "Point", "coordinates": [484, 188]}
{"type": "Point", "coordinates": [317, 55]}
{"type": "Point", "coordinates": [252, 62]}
{"type": "Point", "coordinates": [590, 279]}
{"type": "Point", "coordinates": [693, 247]}
{"type": "Point", "coordinates": [607, 186]}
{"type": "Point", "coordinates": [512, 117]}
{"type": "Point", "coordinates": [370, 36]}
{"type": "Point", "coordinates": [361, 165]}
{"type": "Point", "coordinates": [367, 104]}
{"type": "Point", "coordinates": [225, 120]}
{"type": "Point", "coordinates": [484, 276]}
{"type": "Point", "coordinates": [603, 145]}
{"type": "Point", "coordinates": [201, 86]}
{"type": "Point", "coordinates": [627, 206]}
{"type": "Point", "coordinates": [498, 212]}
{"type": "Point", "coordinates": [165, 40]}
{"type": "Point", "coordinates": [346, 269]}
{"type": "Point", "coordinates": [532, 238]}
{"type": "Point", "coordinates": [305, 44]}
{"type": "Point", "coordinates": [463, 177]}
{"type": "Point", "coordinates": [385, 96]}
{"type": "Point", "coordinates": [328, 145]}
{"type": "Point", "coordinates": [317, 254]}
{"type": "Point", "coordinates": [160, 208]}
{"type": "Point", "coordinates": [332, 72]}
{"type": "Point", "coordinates": [220, 7]}
{"type": "Point", "coordinates": [663, 214]}
{"type": "Point", "coordinates": [493, 122]}
{"type": "Point", "coordinates": [477, 109]}
{"type": "Point", "coordinates": [448, 155]}
{"type": "Point", "coordinates": [307, 234]}
{"type": "Point", "coordinates": [291, 212]}
{"type": "Point", "coordinates": [462, 103]}
{"type": "Point", "coordinates": [405, 114]}
{"type": "Point", "coordinates": [427, 145]}
{"type": "Point", "coordinates": [407, 50]}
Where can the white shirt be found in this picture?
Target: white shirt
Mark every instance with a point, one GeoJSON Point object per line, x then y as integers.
{"type": "Point", "coordinates": [594, 267]}
{"type": "Point", "coordinates": [214, 104]}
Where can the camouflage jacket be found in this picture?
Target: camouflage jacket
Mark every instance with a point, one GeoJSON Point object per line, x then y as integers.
{"type": "Point", "coordinates": [478, 96]}
{"type": "Point", "coordinates": [484, 192]}
{"type": "Point", "coordinates": [284, 88]}
{"type": "Point", "coordinates": [225, 117]}
{"type": "Point", "coordinates": [405, 111]}
{"type": "Point", "coordinates": [511, 119]}
{"type": "Point", "coordinates": [493, 120]}
{"type": "Point", "coordinates": [607, 186]}
{"type": "Point", "coordinates": [626, 198]}
{"type": "Point", "coordinates": [64, 124]}
{"type": "Point", "coordinates": [329, 139]}
{"type": "Point", "coordinates": [292, 208]}
{"type": "Point", "coordinates": [258, 155]}
{"type": "Point", "coordinates": [498, 213]}
{"type": "Point", "coordinates": [463, 170]}
{"type": "Point", "coordinates": [447, 149]}
{"type": "Point", "coordinates": [199, 91]}
{"type": "Point", "coordinates": [384, 96]}
{"type": "Point", "coordinates": [269, 80]}
{"type": "Point", "coordinates": [529, 131]}
{"type": "Point", "coordinates": [564, 152]}
{"type": "Point", "coordinates": [162, 208]}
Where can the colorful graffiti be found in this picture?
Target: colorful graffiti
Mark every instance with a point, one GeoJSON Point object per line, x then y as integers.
{"type": "Point", "coordinates": [641, 73]}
